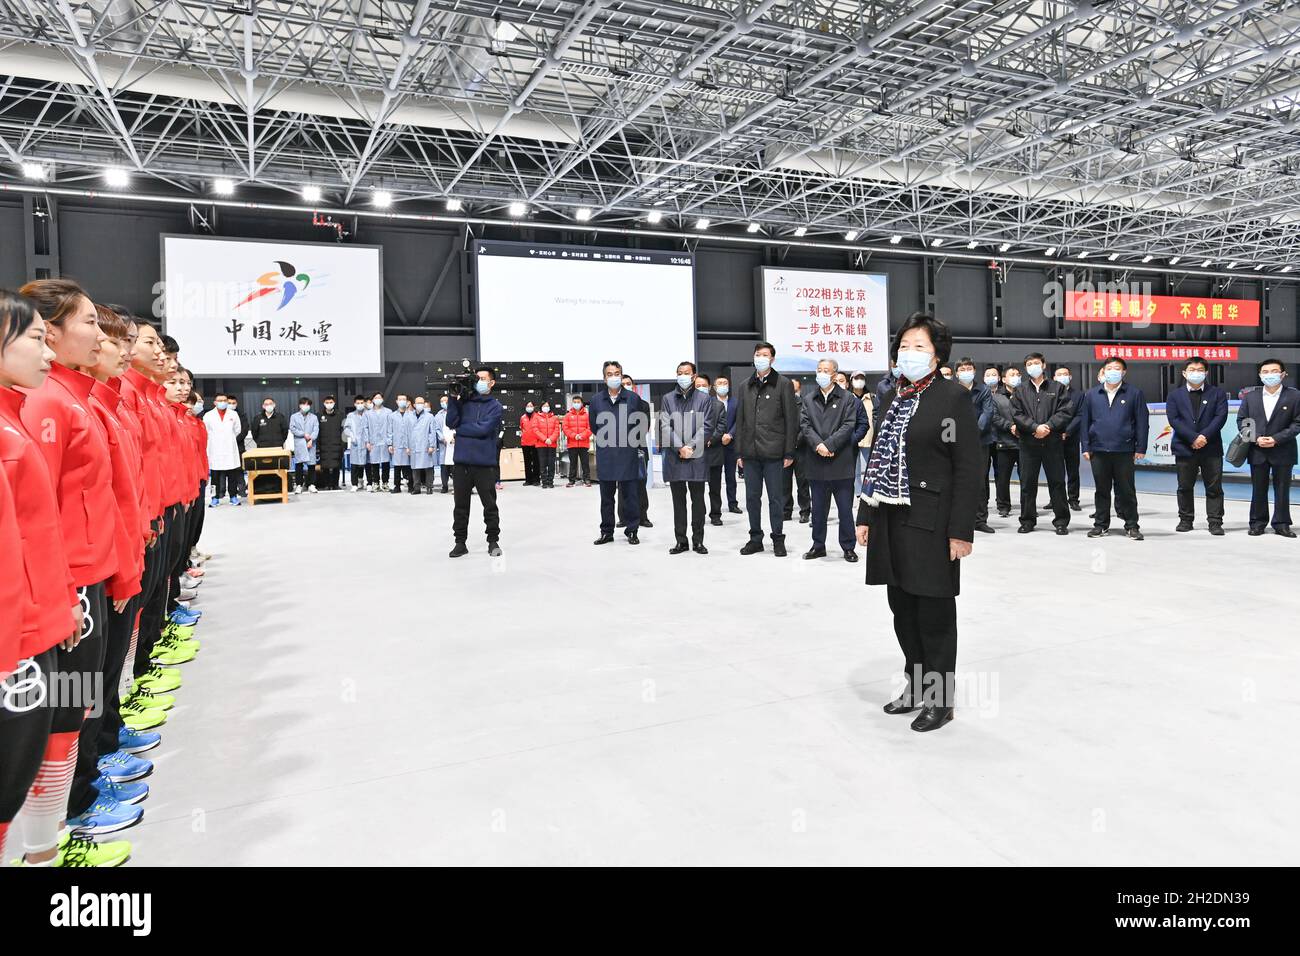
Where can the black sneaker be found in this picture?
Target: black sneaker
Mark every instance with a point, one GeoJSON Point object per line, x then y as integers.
{"type": "Point", "coordinates": [1216, 530]}
{"type": "Point", "coordinates": [1184, 526]}
{"type": "Point", "coordinates": [716, 522]}
{"type": "Point", "coordinates": [494, 550]}
{"type": "Point", "coordinates": [646, 523]}
{"type": "Point", "coordinates": [1134, 533]}
{"type": "Point", "coordinates": [735, 509]}
{"type": "Point", "coordinates": [459, 550]}
{"type": "Point", "coordinates": [752, 547]}
{"type": "Point", "coordinates": [778, 548]}
{"type": "Point", "coordinates": [1098, 532]}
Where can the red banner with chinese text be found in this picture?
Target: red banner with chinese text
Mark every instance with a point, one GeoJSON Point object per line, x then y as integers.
{"type": "Point", "coordinates": [1159, 309]}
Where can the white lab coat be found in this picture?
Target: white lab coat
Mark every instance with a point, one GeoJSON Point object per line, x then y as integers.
{"type": "Point", "coordinates": [223, 453]}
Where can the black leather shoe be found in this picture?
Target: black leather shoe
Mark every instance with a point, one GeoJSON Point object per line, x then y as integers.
{"type": "Point", "coordinates": [932, 718]}
{"type": "Point", "coordinates": [900, 705]}
{"type": "Point", "coordinates": [459, 550]}
{"type": "Point", "coordinates": [604, 539]}
{"type": "Point", "coordinates": [1285, 532]}
{"type": "Point", "coordinates": [752, 547]}
{"type": "Point", "coordinates": [984, 526]}
{"type": "Point", "coordinates": [700, 548]}
{"type": "Point", "coordinates": [1184, 526]}
{"type": "Point", "coordinates": [814, 553]}
{"type": "Point", "coordinates": [778, 548]}
{"type": "Point", "coordinates": [1255, 532]}
{"type": "Point", "coordinates": [647, 523]}
{"type": "Point", "coordinates": [851, 557]}
{"type": "Point", "coordinates": [681, 547]}
{"type": "Point", "coordinates": [1075, 506]}
{"type": "Point", "coordinates": [805, 519]}
{"type": "Point", "coordinates": [1134, 533]}
{"type": "Point", "coordinates": [1217, 530]}
{"type": "Point", "coordinates": [1004, 514]}
{"type": "Point", "coordinates": [494, 550]}
{"type": "Point", "coordinates": [621, 524]}
{"type": "Point", "coordinates": [1098, 532]}
{"type": "Point", "coordinates": [633, 539]}
{"type": "Point", "coordinates": [1062, 530]}
{"type": "Point", "coordinates": [716, 522]}
{"type": "Point", "coordinates": [1025, 529]}
{"type": "Point", "coordinates": [445, 490]}
{"type": "Point", "coordinates": [735, 509]}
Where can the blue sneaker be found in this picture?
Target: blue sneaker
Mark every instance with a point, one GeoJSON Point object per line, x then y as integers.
{"type": "Point", "coordinates": [137, 741]}
{"type": "Point", "coordinates": [105, 815]}
{"type": "Point", "coordinates": [126, 793]}
{"type": "Point", "coordinates": [214, 502]}
{"type": "Point", "coordinates": [121, 767]}
{"type": "Point", "coordinates": [234, 500]}
{"type": "Point", "coordinates": [185, 617]}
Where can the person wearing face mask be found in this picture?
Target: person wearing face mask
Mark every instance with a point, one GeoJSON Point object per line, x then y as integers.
{"type": "Point", "coordinates": [399, 445]}
{"type": "Point", "coordinates": [1040, 413]}
{"type": "Point", "coordinates": [528, 441]}
{"type": "Point", "coordinates": [442, 450]}
{"type": "Point", "coordinates": [767, 430]}
{"type": "Point", "coordinates": [1269, 419]}
{"type": "Point", "coordinates": [643, 468]}
{"type": "Point", "coordinates": [832, 423]}
{"type": "Point", "coordinates": [329, 444]}
{"type": "Point", "coordinates": [620, 420]}
{"type": "Point", "coordinates": [269, 429]}
{"type": "Point", "coordinates": [423, 447]}
{"type": "Point", "coordinates": [224, 458]}
{"type": "Point", "coordinates": [577, 436]}
{"type": "Point", "coordinates": [355, 431]}
{"type": "Point", "coordinates": [546, 429]}
{"type": "Point", "coordinates": [687, 420]}
{"type": "Point", "coordinates": [1006, 453]}
{"type": "Point", "coordinates": [798, 471]}
{"type": "Point", "coordinates": [304, 426]}
{"type": "Point", "coordinates": [982, 401]}
{"type": "Point", "coordinates": [714, 451]}
{"type": "Point", "coordinates": [476, 420]}
{"type": "Point", "coordinates": [1113, 436]}
{"type": "Point", "coordinates": [379, 437]}
{"type": "Point", "coordinates": [1197, 414]}
{"type": "Point", "coordinates": [1070, 437]}
{"type": "Point", "coordinates": [722, 388]}
{"type": "Point", "coordinates": [858, 387]}
{"type": "Point", "coordinates": [916, 514]}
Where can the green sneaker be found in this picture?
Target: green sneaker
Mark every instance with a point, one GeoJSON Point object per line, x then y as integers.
{"type": "Point", "coordinates": [136, 716]}
{"type": "Point", "coordinates": [160, 679]}
{"type": "Point", "coordinates": [77, 850]}
{"type": "Point", "coordinates": [175, 640]}
{"type": "Point", "coordinates": [152, 699]}
{"type": "Point", "coordinates": [170, 656]}
{"type": "Point", "coordinates": [183, 631]}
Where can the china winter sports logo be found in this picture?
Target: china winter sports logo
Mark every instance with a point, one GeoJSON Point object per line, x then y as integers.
{"type": "Point", "coordinates": [287, 280]}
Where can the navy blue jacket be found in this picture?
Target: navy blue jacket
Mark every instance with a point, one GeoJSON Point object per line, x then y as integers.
{"type": "Point", "coordinates": [1282, 427]}
{"type": "Point", "coordinates": [1214, 415]}
{"type": "Point", "coordinates": [1121, 426]}
{"type": "Point", "coordinates": [619, 431]}
{"type": "Point", "coordinates": [1074, 401]}
{"type": "Point", "coordinates": [477, 423]}
{"type": "Point", "coordinates": [982, 400]}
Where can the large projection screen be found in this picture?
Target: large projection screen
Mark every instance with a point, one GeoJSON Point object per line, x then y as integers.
{"type": "Point", "coordinates": [583, 306]}
{"type": "Point", "coordinates": [259, 307]}
{"type": "Point", "coordinates": [812, 314]}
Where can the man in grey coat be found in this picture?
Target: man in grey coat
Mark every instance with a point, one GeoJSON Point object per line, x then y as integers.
{"type": "Point", "coordinates": [832, 422]}
{"type": "Point", "coordinates": [688, 419]}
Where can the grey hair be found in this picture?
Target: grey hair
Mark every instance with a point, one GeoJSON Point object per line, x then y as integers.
{"type": "Point", "coordinates": [835, 366]}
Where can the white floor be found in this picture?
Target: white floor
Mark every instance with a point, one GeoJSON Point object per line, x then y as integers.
{"type": "Point", "coordinates": [360, 698]}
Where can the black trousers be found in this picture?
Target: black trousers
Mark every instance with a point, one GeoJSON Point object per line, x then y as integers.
{"type": "Point", "coordinates": [639, 494]}
{"type": "Point", "coordinates": [401, 472]}
{"type": "Point", "coordinates": [358, 475]}
{"type": "Point", "coordinates": [729, 473]}
{"type": "Point", "coordinates": [1047, 455]}
{"type": "Point", "coordinates": [766, 473]}
{"type": "Point", "coordinates": [1115, 469]}
{"type": "Point", "coordinates": [715, 490]}
{"type": "Point", "coordinates": [1070, 450]}
{"type": "Point", "coordinates": [629, 511]}
{"type": "Point", "coordinates": [1262, 477]}
{"type": "Point", "coordinates": [377, 472]}
{"type": "Point", "coordinates": [1005, 460]}
{"type": "Point", "coordinates": [789, 475]}
{"type": "Point", "coordinates": [25, 718]}
{"type": "Point", "coordinates": [982, 506]}
{"type": "Point", "coordinates": [102, 723]}
{"type": "Point", "coordinates": [226, 483]}
{"type": "Point", "coordinates": [329, 478]}
{"type": "Point", "coordinates": [579, 463]}
{"type": "Point", "coordinates": [155, 599]}
{"type": "Point", "coordinates": [186, 524]}
{"type": "Point", "coordinates": [1210, 468]}
{"type": "Point", "coordinates": [469, 479]}
{"type": "Point", "coordinates": [546, 459]}
{"type": "Point", "coordinates": [680, 490]}
{"type": "Point", "coordinates": [303, 474]}
{"type": "Point", "coordinates": [532, 466]}
{"type": "Point", "coordinates": [841, 490]}
{"type": "Point", "coordinates": [926, 628]}
{"type": "Point", "coordinates": [422, 479]}
{"type": "Point", "coordinates": [90, 681]}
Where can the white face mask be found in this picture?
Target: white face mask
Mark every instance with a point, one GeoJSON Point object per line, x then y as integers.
{"type": "Point", "coordinates": [268, 409]}
{"type": "Point", "coordinates": [990, 380]}
{"type": "Point", "coordinates": [614, 381]}
{"type": "Point", "coordinates": [223, 405]}
{"type": "Point", "coordinates": [859, 383]}
{"type": "Point", "coordinates": [401, 403]}
{"type": "Point", "coordinates": [724, 390]}
{"type": "Point", "coordinates": [684, 381]}
{"type": "Point", "coordinates": [329, 406]}
{"type": "Point", "coordinates": [304, 409]}
{"type": "Point", "coordinates": [198, 407]}
{"type": "Point", "coordinates": [546, 409]}
{"type": "Point", "coordinates": [762, 363]}
{"type": "Point", "coordinates": [1035, 370]}
{"type": "Point", "coordinates": [443, 403]}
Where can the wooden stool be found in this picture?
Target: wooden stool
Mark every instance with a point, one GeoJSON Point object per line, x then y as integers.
{"type": "Point", "coordinates": [267, 463]}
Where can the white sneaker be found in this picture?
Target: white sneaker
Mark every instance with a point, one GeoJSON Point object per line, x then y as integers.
{"type": "Point", "coordinates": [313, 489]}
{"type": "Point", "coordinates": [356, 487]}
{"type": "Point", "coordinates": [297, 491]}
{"type": "Point", "coordinates": [190, 584]}
{"type": "Point", "coordinates": [187, 594]}
{"type": "Point", "coordinates": [374, 488]}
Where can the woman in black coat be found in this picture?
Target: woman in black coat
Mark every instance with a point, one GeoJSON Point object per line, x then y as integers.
{"type": "Point", "coordinates": [916, 513]}
{"type": "Point", "coordinates": [329, 443]}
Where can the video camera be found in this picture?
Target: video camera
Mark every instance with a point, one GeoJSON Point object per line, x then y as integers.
{"type": "Point", "coordinates": [459, 379]}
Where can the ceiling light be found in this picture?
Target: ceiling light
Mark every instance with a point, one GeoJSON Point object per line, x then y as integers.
{"type": "Point", "coordinates": [936, 242]}
{"type": "Point", "coordinates": [382, 198]}
{"type": "Point", "coordinates": [752, 227]}
{"type": "Point", "coordinates": [1113, 256]}
{"type": "Point", "coordinates": [1174, 260]}
{"type": "Point", "coordinates": [1050, 251]}
{"type": "Point", "coordinates": [851, 235]}
{"type": "Point", "coordinates": [971, 244]}
{"type": "Point", "coordinates": [36, 171]}
{"type": "Point", "coordinates": [583, 214]}
{"type": "Point", "coordinates": [1286, 268]}
{"type": "Point", "coordinates": [1233, 265]}
{"type": "Point", "coordinates": [801, 231]}
{"type": "Point", "coordinates": [1147, 258]}
{"type": "Point", "coordinates": [701, 224]}
{"type": "Point", "coordinates": [1004, 247]}
{"type": "Point", "coordinates": [116, 177]}
{"type": "Point", "coordinates": [653, 216]}
{"type": "Point", "coordinates": [1083, 254]}
{"type": "Point", "coordinates": [1207, 263]}
{"type": "Point", "coordinates": [895, 240]}
{"type": "Point", "coordinates": [1258, 267]}
{"type": "Point", "coordinates": [517, 209]}
{"type": "Point", "coordinates": [453, 205]}
{"type": "Point", "coordinates": [311, 193]}
{"type": "Point", "coordinates": [223, 187]}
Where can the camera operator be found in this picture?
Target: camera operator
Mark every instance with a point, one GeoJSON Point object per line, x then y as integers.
{"type": "Point", "coordinates": [475, 416]}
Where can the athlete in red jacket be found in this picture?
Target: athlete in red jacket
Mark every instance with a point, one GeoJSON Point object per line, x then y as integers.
{"type": "Point", "coordinates": [577, 435]}
{"type": "Point", "coordinates": [528, 442]}
{"type": "Point", "coordinates": [547, 429]}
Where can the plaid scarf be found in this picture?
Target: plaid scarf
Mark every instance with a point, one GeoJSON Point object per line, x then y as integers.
{"type": "Point", "coordinates": [884, 480]}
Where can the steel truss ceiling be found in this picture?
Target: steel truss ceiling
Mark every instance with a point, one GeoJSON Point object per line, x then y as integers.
{"type": "Point", "coordinates": [1150, 127]}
